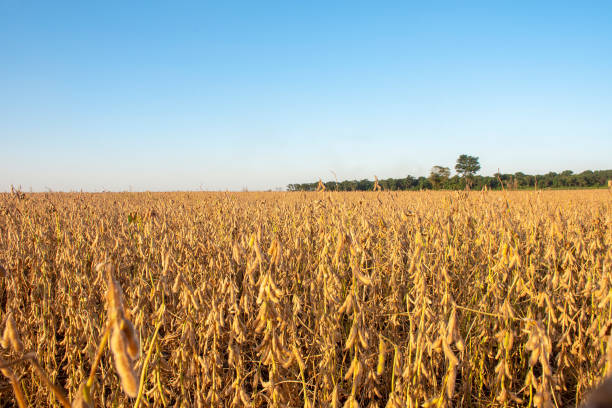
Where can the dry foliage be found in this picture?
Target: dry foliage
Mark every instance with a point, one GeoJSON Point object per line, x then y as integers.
{"type": "Point", "coordinates": [325, 299]}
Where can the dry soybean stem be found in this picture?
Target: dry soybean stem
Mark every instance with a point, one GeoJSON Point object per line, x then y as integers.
{"type": "Point", "coordinates": [101, 347]}
{"type": "Point", "coordinates": [146, 362]}
{"type": "Point", "coordinates": [58, 392]}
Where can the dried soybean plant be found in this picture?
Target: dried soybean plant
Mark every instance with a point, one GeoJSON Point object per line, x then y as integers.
{"type": "Point", "coordinates": [369, 299]}
{"type": "Point", "coordinates": [601, 397]}
{"type": "Point", "coordinates": [124, 345]}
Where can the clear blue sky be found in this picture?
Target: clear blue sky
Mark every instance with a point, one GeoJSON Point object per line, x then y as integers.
{"type": "Point", "coordinates": [189, 95]}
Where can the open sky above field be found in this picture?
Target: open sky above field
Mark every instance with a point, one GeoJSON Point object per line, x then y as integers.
{"type": "Point", "coordinates": [190, 95]}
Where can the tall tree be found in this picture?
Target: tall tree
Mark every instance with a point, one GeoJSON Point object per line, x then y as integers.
{"type": "Point", "coordinates": [467, 166]}
{"type": "Point", "coordinates": [438, 176]}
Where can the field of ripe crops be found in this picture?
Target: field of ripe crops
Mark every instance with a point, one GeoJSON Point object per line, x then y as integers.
{"type": "Point", "coordinates": [438, 299]}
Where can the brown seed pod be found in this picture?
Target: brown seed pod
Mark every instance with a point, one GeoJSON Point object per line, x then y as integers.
{"type": "Point", "coordinates": [298, 358]}
{"type": "Point", "coordinates": [335, 403]}
{"type": "Point", "coordinates": [11, 336]}
{"type": "Point", "coordinates": [382, 350]}
{"type": "Point", "coordinates": [123, 364]}
{"type": "Point", "coordinates": [6, 371]}
{"type": "Point", "coordinates": [244, 398]}
{"type": "Point", "coordinates": [131, 337]}
{"type": "Point", "coordinates": [450, 381]}
{"type": "Point", "coordinates": [177, 283]}
{"type": "Point", "coordinates": [114, 294]}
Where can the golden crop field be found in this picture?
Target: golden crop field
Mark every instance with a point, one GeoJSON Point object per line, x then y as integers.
{"type": "Point", "coordinates": [435, 299]}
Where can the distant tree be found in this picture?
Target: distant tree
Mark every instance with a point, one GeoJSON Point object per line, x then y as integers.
{"type": "Point", "coordinates": [467, 166]}
{"type": "Point", "coordinates": [365, 185]}
{"type": "Point", "coordinates": [423, 183]}
{"type": "Point", "coordinates": [522, 180]}
{"type": "Point", "coordinates": [453, 183]}
{"type": "Point", "coordinates": [438, 176]}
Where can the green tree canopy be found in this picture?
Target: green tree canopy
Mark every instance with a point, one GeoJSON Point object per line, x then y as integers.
{"type": "Point", "coordinates": [596, 178]}
{"type": "Point", "coordinates": [467, 166]}
{"type": "Point", "coordinates": [439, 175]}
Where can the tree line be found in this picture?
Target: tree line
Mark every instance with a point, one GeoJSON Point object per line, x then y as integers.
{"type": "Point", "coordinates": [467, 166]}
